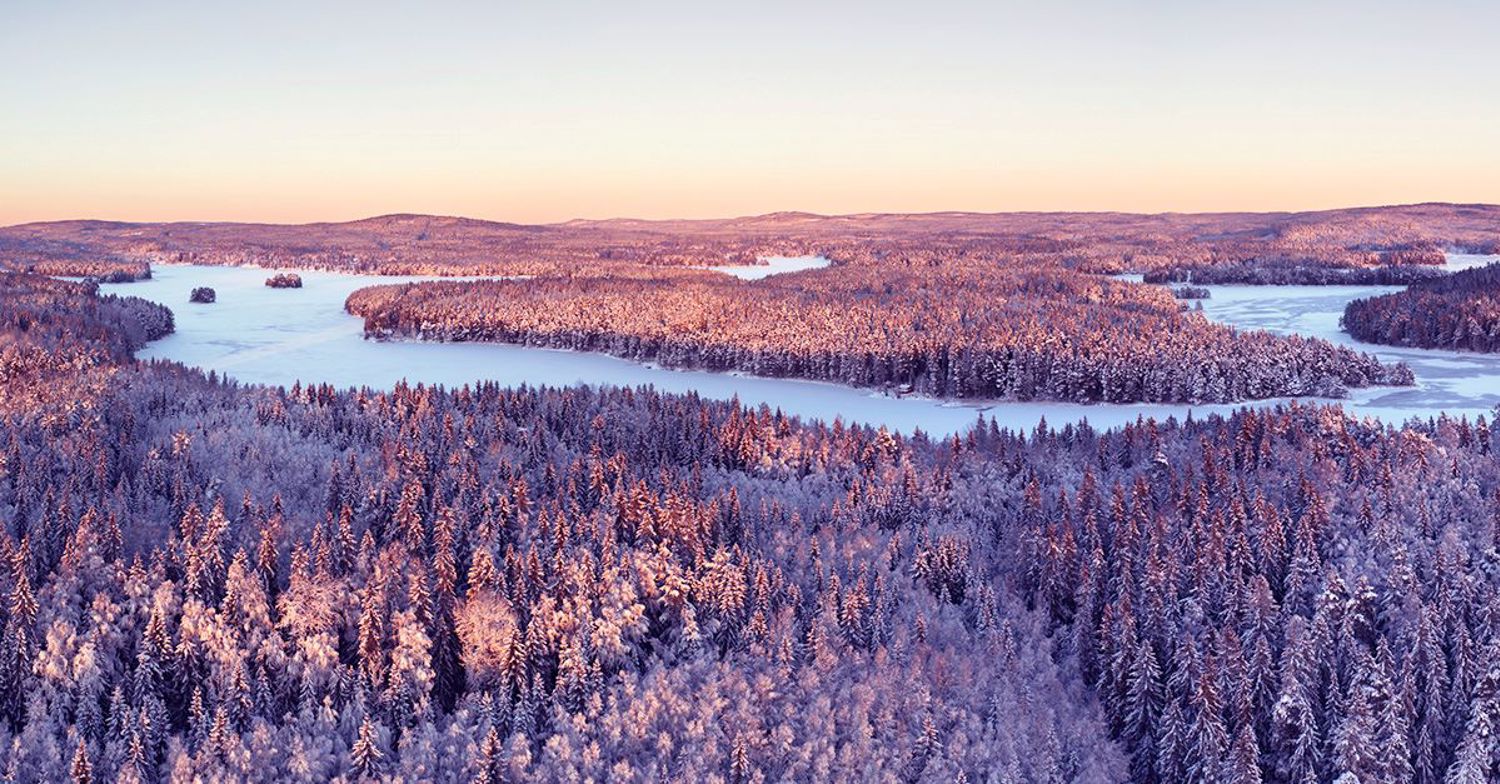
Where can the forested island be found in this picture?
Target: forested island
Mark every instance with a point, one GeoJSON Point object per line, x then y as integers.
{"type": "Point", "coordinates": [1461, 311]}
{"type": "Point", "coordinates": [483, 584]}
{"type": "Point", "coordinates": [1191, 292]}
{"type": "Point", "coordinates": [908, 322]}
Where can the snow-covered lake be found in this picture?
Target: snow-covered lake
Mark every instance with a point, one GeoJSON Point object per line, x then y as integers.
{"type": "Point", "coordinates": [1462, 383]}
{"type": "Point", "coordinates": [260, 335]}
{"type": "Point", "coordinates": [774, 265]}
{"type": "Point", "coordinates": [1463, 261]}
{"type": "Point", "coordinates": [1458, 382]}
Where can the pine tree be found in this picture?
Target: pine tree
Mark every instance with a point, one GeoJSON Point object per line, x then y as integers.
{"type": "Point", "coordinates": [345, 545]}
{"type": "Point", "coordinates": [927, 746]}
{"type": "Point", "coordinates": [1478, 756]}
{"type": "Point", "coordinates": [17, 643]}
{"type": "Point", "coordinates": [198, 720]}
{"type": "Point", "coordinates": [372, 624]}
{"type": "Point", "coordinates": [1244, 759]}
{"type": "Point", "coordinates": [1354, 746]}
{"type": "Point", "coordinates": [1172, 742]}
{"type": "Point", "coordinates": [1392, 739]}
{"type": "Point", "coordinates": [408, 518]}
{"type": "Point", "coordinates": [1430, 669]}
{"type": "Point", "coordinates": [739, 762]}
{"type": "Point", "coordinates": [1143, 705]}
{"type": "Point", "coordinates": [81, 772]}
{"type": "Point", "coordinates": [1474, 763]}
{"type": "Point", "coordinates": [366, 755]}
{"type": "Point", "coordinates": [1294, 749]}
{"type": "Point", "coordinates": [1208, 739]}
{"type": "Point", "coordinates": [490, 766]}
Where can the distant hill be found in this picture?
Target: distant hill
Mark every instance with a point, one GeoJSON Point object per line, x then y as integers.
{"type": "Point", "coordinates": [1097, 241]}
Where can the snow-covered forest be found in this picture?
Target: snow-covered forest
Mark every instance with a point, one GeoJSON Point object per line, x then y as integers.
{"type": "Point", "coordinates": [1404, 237]}
{"type": "Point", "coordinates": [1460, 311]}
{"type": "Point", "coordinates": [484, 584]}
{"type": "Point", "coordinates": [1297, 274]}
{"type": "Point", "coordinates": [916, 320]}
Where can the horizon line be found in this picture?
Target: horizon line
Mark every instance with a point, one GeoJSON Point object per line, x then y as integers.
{"type": "Point", "coordinates": [747, 217]}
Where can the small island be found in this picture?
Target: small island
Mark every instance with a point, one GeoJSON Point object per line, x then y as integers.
{"type": "Point", "coordinates": [285, 280]}
{"type": "Point", "coordinates": [1190, 292]}
{"type": "Point", "coordinates": [203, 295]}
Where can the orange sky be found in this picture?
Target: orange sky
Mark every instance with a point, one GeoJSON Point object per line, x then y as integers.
{"type": "Point", "coordinates": [164, 111]}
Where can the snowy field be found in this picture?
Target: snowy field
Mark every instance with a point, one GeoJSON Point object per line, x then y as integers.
{"type": "Point", "coordinates": [261, 335]}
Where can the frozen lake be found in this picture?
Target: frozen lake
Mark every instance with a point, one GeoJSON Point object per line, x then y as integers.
{"type": "Point", "coordinates": [260, 335]}
{"type": "Point", "coordinates": [1458, 382]}
{"type": "Point", "coordinates": [774, 265]}
{"type": "Point", "coordinates": [1461, 383]}
{"type": "Point", "coordinates": [1463, 261]}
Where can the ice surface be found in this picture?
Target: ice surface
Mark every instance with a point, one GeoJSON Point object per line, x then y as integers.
{"type": "Point", "coordinates": [1463, 261]}
{"type": "Point", "coordinates": [1459, 382]}
{"type": "Point", "coordinates": [261, 335]}
{"type": "Point", "coordinates": [774, 265]}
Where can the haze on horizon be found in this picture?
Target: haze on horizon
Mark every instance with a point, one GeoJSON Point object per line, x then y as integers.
{"type": "Point", "coordinates": [164, 110]}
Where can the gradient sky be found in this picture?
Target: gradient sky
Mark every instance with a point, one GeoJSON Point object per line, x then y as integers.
{"type": "Point", "coordinates": [303, 111]}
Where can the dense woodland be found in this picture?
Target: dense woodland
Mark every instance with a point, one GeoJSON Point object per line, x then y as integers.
{"type": "Point", "coordinates": [486, 585]}
{"type": "Point", "coordinates": [48, 324]}
{"type": "Point", "coordinates": [1377, 237]}
{"type": "Point", "coordinates": [224, 583]}
{"type": "Point", "coordinates": [1259, 274]}
{"type": "Point", "coordinates": [914, 320]}
{"type": "Point", "coordinates": [1461, 311]}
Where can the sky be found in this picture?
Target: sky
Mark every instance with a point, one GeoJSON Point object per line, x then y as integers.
{"type": "Point", "coordinates": [311, 111]}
